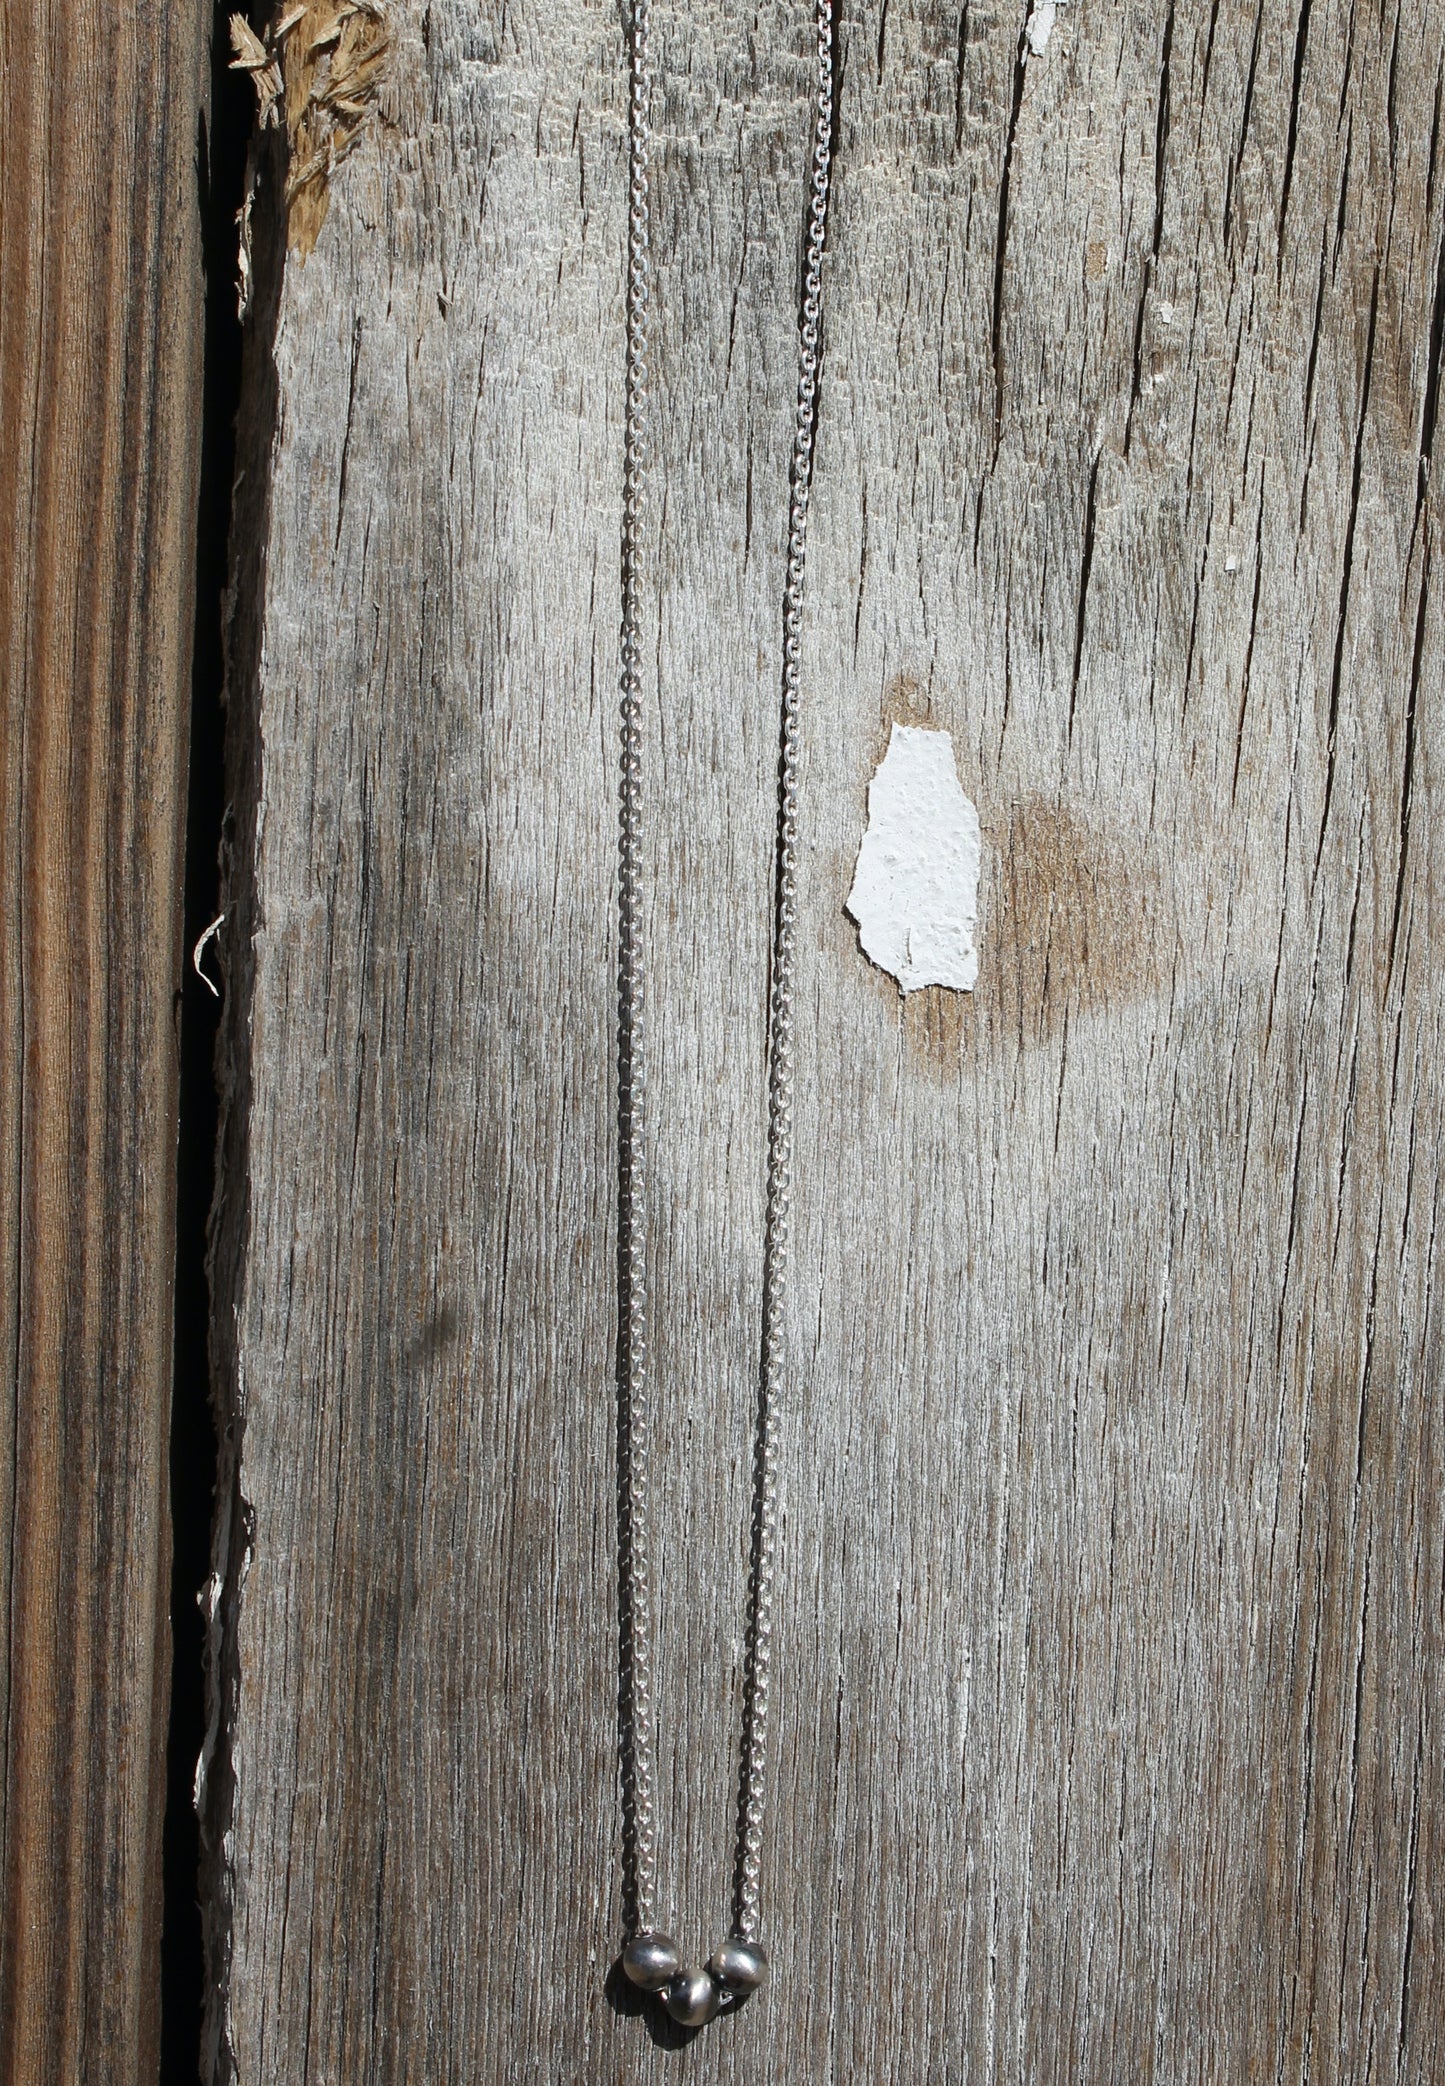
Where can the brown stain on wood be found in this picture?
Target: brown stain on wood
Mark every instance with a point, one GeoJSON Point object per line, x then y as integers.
{"type": "Point", "coordinates": [1071, 921]}
{"type": "Point", "coordinates": [905, 701]}
{"type": "Point", "coordinates": [935, 1025]}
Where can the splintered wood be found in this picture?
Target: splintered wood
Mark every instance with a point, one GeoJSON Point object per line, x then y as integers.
{"type": "Point", "coordinates": [323, 64]}
{"type": "Point", "coordinates": [1109, 1660]}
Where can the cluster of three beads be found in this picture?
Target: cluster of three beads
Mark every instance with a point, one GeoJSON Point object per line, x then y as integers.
{"type": "Point", "coordinates": [652, 1962]}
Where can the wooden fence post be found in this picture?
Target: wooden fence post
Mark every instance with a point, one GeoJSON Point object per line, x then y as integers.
{"type": "Point", "coordinates": [100, 366]}
{"type": "Point", "coordinates": [1109, 1665]}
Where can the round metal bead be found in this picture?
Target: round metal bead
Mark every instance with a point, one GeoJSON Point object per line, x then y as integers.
{"type": "Point", "coordinates": [651, 1961]}
{"type": "Point", "coordinates": [692, 1998]}
{"type": "Point", "coordinates": [741, 1966]}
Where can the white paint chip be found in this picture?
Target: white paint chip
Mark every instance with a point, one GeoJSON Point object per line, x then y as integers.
{"type": "Point", "coordinates": [915, 890]}
{"type": "Point", "coordinates": [1040, 25]}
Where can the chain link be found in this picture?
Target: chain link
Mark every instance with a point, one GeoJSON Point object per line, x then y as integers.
{"type": "Point", "coordinates": [637, 1589]}
{"type": "Point", "coordinates": [631, 1054]}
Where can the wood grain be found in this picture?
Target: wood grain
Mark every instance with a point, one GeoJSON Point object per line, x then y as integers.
{"type": "Point", "coordinates": [100, 335]}
{"type": "Point", "coordinates": [1110, 1662]}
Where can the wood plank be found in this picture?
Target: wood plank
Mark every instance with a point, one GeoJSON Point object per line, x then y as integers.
{"type": "Point", "coordinates": [1109, 1672]}
{"type": "Point", "coordinates": [100, 337]}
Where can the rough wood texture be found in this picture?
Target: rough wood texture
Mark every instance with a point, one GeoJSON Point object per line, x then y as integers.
{"type": "Point", "coordinates": [100, 350]}
{"type": "Point", "coordinates": [1110, 1662]}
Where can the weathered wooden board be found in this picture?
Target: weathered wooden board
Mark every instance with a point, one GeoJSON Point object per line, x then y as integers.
{"type": "Point", "coordinates": [100, 406]}
{"type": "Point", "coordinates": [1110, 1663]}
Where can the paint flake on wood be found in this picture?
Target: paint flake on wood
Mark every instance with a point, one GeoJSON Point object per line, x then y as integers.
{"type": "Point", "coordinates": [915, 889]}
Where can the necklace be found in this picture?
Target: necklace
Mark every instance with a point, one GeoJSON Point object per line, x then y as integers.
{"type": "Point", "coordinates": [651, 1958]}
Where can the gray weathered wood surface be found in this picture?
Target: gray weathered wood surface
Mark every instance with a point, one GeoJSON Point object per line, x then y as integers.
{"type": "Point", "coordinates": [1110, 1665]}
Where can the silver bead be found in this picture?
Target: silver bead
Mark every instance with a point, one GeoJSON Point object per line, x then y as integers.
{"type": "Point", "coordinates": [651, 1961]}
{"type": "Point", "coordinates": [692, 1998]}
{"type": "Point", "coordinates": [741, 1966]}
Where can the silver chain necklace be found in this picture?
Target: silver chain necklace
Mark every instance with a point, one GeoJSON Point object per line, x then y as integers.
{"type": "Point", "coordinates": [650, 1958]}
